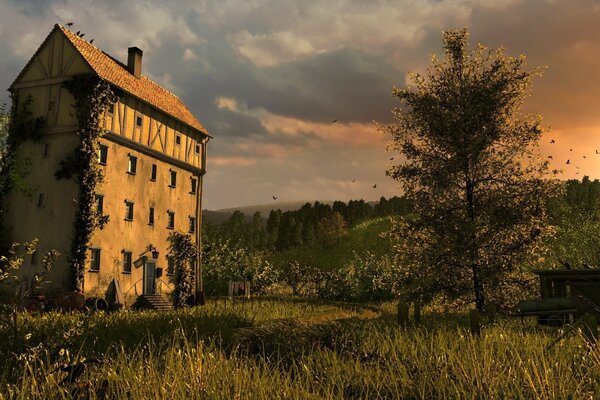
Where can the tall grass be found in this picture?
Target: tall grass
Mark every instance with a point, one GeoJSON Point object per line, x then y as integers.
{"type": "Point", "coordinates": [326, 353]}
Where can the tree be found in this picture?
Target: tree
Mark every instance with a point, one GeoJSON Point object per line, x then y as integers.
{"type": "Point", "coordinates": [332, 228]}
{"type": "Point", "coordinates": [472, 172]}
{"type": "Point", "coordinates": [183, 252]}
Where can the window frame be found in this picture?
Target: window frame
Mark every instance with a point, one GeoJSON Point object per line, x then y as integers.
{"type": "Point", "coordinates": [127, 261]}
{"type": "Point", "coordinates": [193, 185]}
{"type": "Point", "coordinates": [41, 200]}
{"type": "Point", "coordinates": [172, 178]}
{"type": "Point", "coordinates": [99, 200]}
{"type": "Point", "coordinates": [151, 216]}
{"type": "Point", "coordinates": [102, 151]}
{"type": "Point", "coordinates": [131, 164]}
{"type": "Point", "coordinates": [129, 210]}
{"type": "Point", "coordinates": [191, 224]}
{"type": "Point", "coordinates": [95, 260]}
{"type": "Point", "coordinates": [170, 219]}
{"type": "Point", "coordinates": [140, 117]}
{"type": "Point", "coordinates": [170, 266]}
{"type": "Point", "coordinates": [153, 172]}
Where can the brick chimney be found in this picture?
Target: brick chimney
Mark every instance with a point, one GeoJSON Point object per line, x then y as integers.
{"type": "Point", "coordinates": [134, 61]}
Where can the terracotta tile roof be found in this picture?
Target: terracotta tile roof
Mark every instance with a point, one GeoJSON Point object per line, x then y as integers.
{"type": "Point", "coordinates": [143, 88]}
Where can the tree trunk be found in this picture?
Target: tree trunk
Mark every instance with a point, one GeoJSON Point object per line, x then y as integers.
{"type": "Point", "coordinates": [475, 267]}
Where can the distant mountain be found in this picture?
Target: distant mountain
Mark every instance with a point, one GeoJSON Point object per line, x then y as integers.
{"type": "Point", "coordinates": [220, 216]}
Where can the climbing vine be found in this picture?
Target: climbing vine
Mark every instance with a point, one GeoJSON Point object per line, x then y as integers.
{"type": "Point", "coordinates": [21, 125]}
{"type": "Point", "coordinates": [183, 251]}
{"type": "Point", "coordinates": [92, 95]}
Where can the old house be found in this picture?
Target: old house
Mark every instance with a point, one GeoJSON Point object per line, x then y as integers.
{"type": "Point", "coordinates": [151, 153]}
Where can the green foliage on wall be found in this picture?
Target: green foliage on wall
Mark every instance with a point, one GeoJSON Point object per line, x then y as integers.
{"type": "Point", "coordinates": [183, 251]}
{"type": "Point", "coordinates": [92, 96]}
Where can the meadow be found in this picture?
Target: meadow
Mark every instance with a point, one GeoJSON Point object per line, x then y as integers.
{"type": "Point", "coordinates": [293, 349]}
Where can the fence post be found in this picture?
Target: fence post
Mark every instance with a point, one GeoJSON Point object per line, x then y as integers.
{"type": "Point", "coordinates": [402, 314]}
{"type": "Point", "coordinates": [417, 309]}
{"type": "Point", "coordinates": [474, 322]}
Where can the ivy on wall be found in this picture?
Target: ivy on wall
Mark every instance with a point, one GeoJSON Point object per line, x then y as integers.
{"type": "Point", "coordinates": [92, 95]}
{"type": "Point", "coordinates": [22, 126]}
{"type": "Point", "coordinates": [183, 251]}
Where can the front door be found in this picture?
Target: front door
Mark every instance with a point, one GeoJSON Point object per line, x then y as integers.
{"type": "Point", "coordinates": [149, 277]}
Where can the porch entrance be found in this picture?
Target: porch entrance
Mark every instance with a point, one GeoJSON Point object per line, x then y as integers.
{"type": "Point", "coordinates": [150, 277]}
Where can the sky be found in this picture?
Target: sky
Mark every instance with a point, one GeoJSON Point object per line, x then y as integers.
{"type": "Point", "coordinates": [268, 77]}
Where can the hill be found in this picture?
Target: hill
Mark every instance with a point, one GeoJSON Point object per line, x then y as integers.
{"type": "Point", "coordinates": [221, 215]}
{"type": "Point", "coordinates": [361, 238]}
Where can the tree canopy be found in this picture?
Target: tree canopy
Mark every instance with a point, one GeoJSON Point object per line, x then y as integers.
{"type": "Point", "coordinates": [471, 170]}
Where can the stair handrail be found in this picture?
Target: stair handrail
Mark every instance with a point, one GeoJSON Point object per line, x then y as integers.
{"type": "Point", "coordinates": [131, 287]}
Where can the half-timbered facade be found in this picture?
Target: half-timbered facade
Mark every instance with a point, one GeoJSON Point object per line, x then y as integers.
{"type": "Point", "coordinates": [152, 154]}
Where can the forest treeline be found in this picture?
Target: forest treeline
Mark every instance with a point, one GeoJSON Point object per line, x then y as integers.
{"type": "Point", "coordinates": [313, 222]}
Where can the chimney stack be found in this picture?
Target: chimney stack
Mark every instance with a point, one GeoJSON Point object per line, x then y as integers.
{"type": "Point", "coordinates": [134, 61]}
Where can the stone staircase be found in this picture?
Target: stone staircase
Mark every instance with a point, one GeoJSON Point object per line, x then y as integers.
{"type": "Point", "coordinates": [153, 302]}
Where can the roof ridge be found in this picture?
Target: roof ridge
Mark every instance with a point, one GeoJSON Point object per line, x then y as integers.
{"type": "Point", "coordinates": [118, 75]}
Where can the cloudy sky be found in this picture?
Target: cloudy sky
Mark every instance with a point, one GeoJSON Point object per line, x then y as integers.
{"type": "Point", "coordinates": [267, 77]}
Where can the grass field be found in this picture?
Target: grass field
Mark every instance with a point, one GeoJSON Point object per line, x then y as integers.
{"type": "Point", "coordinates": [361, 238]}
{"type": "Point", "coordinates": [294, 349]}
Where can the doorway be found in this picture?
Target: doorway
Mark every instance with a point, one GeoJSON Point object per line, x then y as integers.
{"type": "Point", "coordinates": [149, 277]}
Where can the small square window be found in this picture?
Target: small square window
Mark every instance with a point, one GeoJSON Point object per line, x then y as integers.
{"type": "Point", "coordinates": [132, 166]}
{"type": "Point", "coordinates": [138, 121]}
{"type": "Point", "coordinates": [151, 216]}
{"type": "Point", "coordinates": [194, 185]}
{"type": "Point", "coordinates": [178, 139]}
{"type": "Point", "coordinates": [95, 261]}
{"type": "Point", "coordinates": [172, 178]}
{"type": "Point", "coordinates": [192, 225]}
{"type": "Point", "coordinates": [99, 203]}
{"type": "Point", "coordinates": [45, 149]}
{"type": "Point", "coordinates": [197, 149]}
{"type": "Point", "coordinates": [153, 173]}
{"type": "Point", "coordinates": [129, 211]}
{"type": "Point", "coordinates": [41, 202]}
{"type": "Point", "coordinates": [170, 220]}
{"type": "Point", "coordinates": [170, 266]}
{"type": "Point", "coordinates": [126, 262]}
{"type": "Point", "coordinates": [103, 154]}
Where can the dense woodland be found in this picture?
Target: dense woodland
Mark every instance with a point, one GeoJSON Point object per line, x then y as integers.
{"type": "Point", "coordinates": [308, 225]}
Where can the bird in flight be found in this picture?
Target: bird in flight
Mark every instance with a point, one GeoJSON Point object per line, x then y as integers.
{"type": "Point", "coordinates": [551, 158]}
{"type": "Point", "coordinates": [274, 197]}
{"type": "Point", "coordinates": [69, 24]}
{"type": "Point", "coordinates": [584, 157]}
{"type": "Point", "coordinates": [353, 180]}
{"type": "Point", "coordinates": [77, 33]}
{"type": "Point", "coordinates": [552, 141]}
{"type": "Point", "coordinates": [597, 152]}
{"type": "Point", "coordinates": [391, 158]}
{"type": "Point", "coordinates": [91, 41]}
{"type": "Point", "coordinates": [374, 186]}
{"type": "Point", "coordinates": [568, 161]}
{"type": "Point", "coordinates": [334, 121]}
{"type": "Point", "coordinates": [570, 149]}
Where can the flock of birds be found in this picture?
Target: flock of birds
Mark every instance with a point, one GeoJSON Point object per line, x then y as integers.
{"type": "Point", "coordinates": [552, 141]}
{"type": "Point", "coordinates": [78, 33]}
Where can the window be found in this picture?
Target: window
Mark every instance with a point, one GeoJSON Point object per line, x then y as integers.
{"type": "Point", "coordinates": [194, 184]}
{"type": "Point", "coordinates": [132, 167]}
{"type": "Point", "coordinates": [41, 202]}
{"type": "Point", "coordinates": [172, 178]}
{"type": "Point", "coordinates": [170, 220]}
{"type": "Point", "coordinates": [45, 149]}
{"type": "Point", "coordinates": [99, 203]}
{"type": "Point", "coordinates": [151, 216]}
{"type": "Point", "coordinates": [138, 121]}
{"type": "Point", "coordinates": [192, 225]}
{"type": "Point", "coordinates": [34, 257]}
{"type": "Point", "coordinates": [128, 210]}
{"type": "Point", "coordinates": [197, 149]}
{"type": "Point", "coordinates": [170, 266]}
{"type": "Point", "coordinates": [177, 139]}
{"type": "Point", "coordinates": [126, 262]}
{"type": "Point", "coordinates": [153, 173]}
{"type": "Point", "coordinates": [111, 109]}
{"type": "Point", "coordinates": [95, 262]}
{"type": "Point", "coordinates": [103, 154]}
